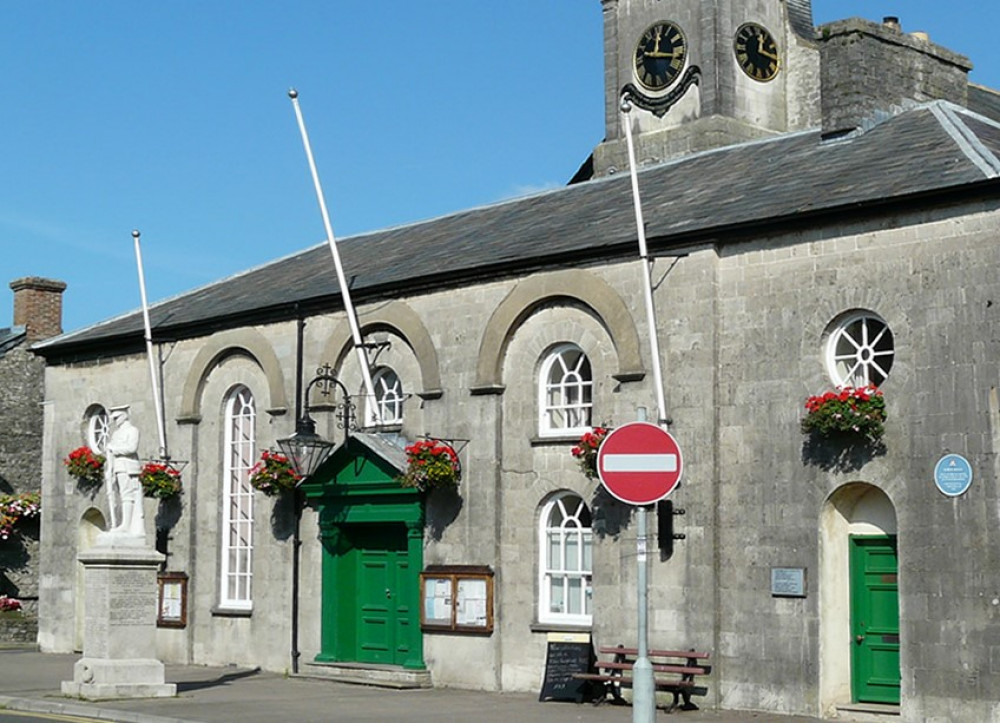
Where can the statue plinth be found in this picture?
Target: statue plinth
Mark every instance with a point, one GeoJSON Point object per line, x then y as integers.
{"type": "Point", "coordinates": [119, 634]}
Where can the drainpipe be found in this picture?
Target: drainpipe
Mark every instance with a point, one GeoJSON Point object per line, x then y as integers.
{"type": "Point", "coordinates": [297, 501]}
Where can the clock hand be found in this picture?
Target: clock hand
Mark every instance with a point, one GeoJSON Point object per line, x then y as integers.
{"type": "Point", "coordinates": [761, 51]}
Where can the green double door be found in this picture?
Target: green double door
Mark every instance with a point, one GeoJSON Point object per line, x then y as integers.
{"type": "Point", "coordinates": [386, 590]}
{"type": "Point", "coordinates": [875, 674]}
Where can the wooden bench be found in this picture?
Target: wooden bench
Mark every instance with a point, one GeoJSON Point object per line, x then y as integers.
{"type": "Point", "coordinates": [674, 671]}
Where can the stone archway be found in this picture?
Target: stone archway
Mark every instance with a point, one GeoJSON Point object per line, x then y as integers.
{"type": "Point", "coordinates": [582, 287]}
{"type": "Point", "coordinates": [855, 509]}
{"type": "Point", "coordinates": [91, 524]}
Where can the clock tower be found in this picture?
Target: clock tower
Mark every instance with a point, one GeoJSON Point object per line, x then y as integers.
{"type": "Point", "coordinates": [701, 74]}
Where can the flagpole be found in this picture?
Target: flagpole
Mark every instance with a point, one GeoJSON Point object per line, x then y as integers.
{"type": "Point", "coordinates": [157, 400]}
{"type": "Point", "coordinates": [341, 279]}
{"type": "Point", "coordinates": [643, 680]}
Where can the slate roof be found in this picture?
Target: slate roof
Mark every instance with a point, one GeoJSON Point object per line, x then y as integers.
{"type": "Point", "coordinates": [11, 337]}
{"type": "Point", "coordinates": [984, 101]}
{"type": "Point", "coordinates": [936, 148]}
{"type": "Point", "coordinates": [800, 15]}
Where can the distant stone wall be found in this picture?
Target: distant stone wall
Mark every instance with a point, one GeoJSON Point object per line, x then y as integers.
{"type": "Point", "coordinates": [20, 629]}
{"type": "Point", "coordinates": [21, 395]}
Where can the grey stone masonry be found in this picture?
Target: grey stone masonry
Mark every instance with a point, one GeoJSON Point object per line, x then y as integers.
{"type": "Point", "coordinates": [870, 67]}
{"type": "Point", "coordinates": [37, 315]}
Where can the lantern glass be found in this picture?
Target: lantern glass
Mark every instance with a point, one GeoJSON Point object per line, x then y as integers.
{"type": "Point", "coordinates": [306, 451]}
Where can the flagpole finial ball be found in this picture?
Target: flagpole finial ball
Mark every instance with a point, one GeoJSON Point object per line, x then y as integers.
{"type": "Point", "coordinates": [135, 233]}
{"type": "Point", "coordinates": [626, 105]}
{"type": "Point", "coordinates": [292, 93]}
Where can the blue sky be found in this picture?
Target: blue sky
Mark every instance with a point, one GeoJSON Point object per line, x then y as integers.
{"type": "Point", "coordinates": [173, 118]}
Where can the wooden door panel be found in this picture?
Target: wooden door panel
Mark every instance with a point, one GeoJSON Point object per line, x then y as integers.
{"type": "Point", "coordinates": [875, 675]}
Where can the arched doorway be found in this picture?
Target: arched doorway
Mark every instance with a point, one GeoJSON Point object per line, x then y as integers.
{"type": "Point", "coordinates": [859, 599]}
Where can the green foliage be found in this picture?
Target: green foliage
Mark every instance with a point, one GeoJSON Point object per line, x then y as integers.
{"type": "Point", "coordinates": [846, 412]}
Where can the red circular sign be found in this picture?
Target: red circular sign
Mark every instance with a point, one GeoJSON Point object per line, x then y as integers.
{"type": "Point", "coordinates": [639, 463]}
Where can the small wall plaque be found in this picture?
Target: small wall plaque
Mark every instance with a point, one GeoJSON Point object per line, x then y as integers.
{"type": "Point", "coordinates": [788, 581]}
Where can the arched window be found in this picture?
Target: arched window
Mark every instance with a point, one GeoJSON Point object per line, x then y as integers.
{"type": "Point", "coordinates": [388, 397]}
{"type": "Point", "coordinates": [565, 561]}
{"type": "Point", "coordinates": [98, 429]}
{"type": "Point", "coordinates": [859, 350]}
{"type": "Point", "coordinates": [237, 500]}
{"type": "Point", "coordinates": [565, 391]}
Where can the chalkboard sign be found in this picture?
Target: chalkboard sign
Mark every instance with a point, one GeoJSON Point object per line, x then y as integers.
{"type": "Point", "coordinates": [562, 659]}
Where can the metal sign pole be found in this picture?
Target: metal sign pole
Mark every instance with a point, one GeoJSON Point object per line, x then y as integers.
{"type": "Point", "coordinates": [643, 683]}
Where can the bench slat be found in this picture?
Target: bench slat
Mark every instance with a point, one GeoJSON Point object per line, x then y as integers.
{"type": "Point", "coordinates": [657, 667]}
{"type": "Point", "coordinates": [656, 653]}
{"type": "Point", "coordinates": [625, 680]}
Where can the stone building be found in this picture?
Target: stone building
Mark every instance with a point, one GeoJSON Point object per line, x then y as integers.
{"type": "Point", "coordinates": [822, 209]}
{"type": "Point", "coordinates": [37, 316]}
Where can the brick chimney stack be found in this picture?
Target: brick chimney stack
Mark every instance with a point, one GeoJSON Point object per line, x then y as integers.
{"type": "Point", "coordinates": [38, 306]}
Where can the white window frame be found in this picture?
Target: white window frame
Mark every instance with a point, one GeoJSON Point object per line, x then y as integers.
{"type": "Point", "coordinates": [566, 404]}
{"type": "Point", "coordinates": [236, 550]}
{"type": "Point", "coordinates": [860, 350]}
{"type": "Point", "coordinates": [573, 544]}
{"type": "Point", "coordinates": [388, 399]}
{"type": "Point", "coordinates": [98, 429]}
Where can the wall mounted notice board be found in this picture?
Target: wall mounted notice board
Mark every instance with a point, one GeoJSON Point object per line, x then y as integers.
{"type": "Point", "coordinates": [457, 599]}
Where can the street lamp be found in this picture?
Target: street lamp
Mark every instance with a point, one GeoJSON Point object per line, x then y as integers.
{"type": "Point", "coordinates": [305, 449]}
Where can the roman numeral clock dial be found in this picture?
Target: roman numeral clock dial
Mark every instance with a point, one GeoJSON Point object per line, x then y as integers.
{"type": "Point", "coordinates": [756, 52]}
{"type": "Point", "coordinates": [659, 56]}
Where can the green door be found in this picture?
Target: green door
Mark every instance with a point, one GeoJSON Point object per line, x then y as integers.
{"type": "Point", "coordinates": [874, 619]}
{"type": "Point", "coordinates": [384, 593]}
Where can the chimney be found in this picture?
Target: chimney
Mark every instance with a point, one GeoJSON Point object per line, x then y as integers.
{"type": "Point", "coordinates": [870, 69]}
{"type": "Point", "coordinates": [38, 306]}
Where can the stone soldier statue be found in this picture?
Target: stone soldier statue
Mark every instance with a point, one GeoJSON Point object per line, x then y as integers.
{"type": "Point", "coordinates": [124, 489]}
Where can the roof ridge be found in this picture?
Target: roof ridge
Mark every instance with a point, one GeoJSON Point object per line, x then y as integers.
{"type": "Point", "coordinates": [947, 115]}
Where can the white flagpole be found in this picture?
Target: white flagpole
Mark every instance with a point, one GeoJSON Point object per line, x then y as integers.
{"type": "Point", "coordinates": [643, 680]}
{"type": "Point", "coordinates": [647, 267]}
{"type": "Point", "coordinates": [341, 279]}
{"type": "Point", "coordinates": [157, 400]}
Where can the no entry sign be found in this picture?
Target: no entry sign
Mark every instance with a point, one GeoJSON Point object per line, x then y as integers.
{"type": "Point", "coordinates": [639, 463]}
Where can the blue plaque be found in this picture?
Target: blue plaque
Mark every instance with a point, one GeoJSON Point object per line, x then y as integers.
{"type": "Point", "coordinates": [953, 475]}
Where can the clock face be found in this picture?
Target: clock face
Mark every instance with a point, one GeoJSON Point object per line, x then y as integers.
{"type": "Point", "coordinates": [659, 56]}
{"type": "Point", "coordinates": [756, 52]}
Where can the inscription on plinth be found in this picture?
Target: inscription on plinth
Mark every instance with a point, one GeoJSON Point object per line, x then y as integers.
{"type": "Point", "coordinates": [119, 643]}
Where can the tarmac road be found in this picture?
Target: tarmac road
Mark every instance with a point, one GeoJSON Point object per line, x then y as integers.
{"type": "Point", "coordinates": [31, 682]}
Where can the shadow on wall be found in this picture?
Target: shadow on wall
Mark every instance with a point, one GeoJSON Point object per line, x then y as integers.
{"type": "Point", "coordinates": [443, 506]}
{"type": "Point", "coordinates": [840, 454]}
{"type": "Point", "coordinates": [611, 517]}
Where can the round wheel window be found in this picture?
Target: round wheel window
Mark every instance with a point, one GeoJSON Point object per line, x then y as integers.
{"type": "Point", "coordinates": [860, 351]}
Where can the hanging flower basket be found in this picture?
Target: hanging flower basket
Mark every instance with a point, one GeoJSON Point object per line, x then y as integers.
{"type": "Point", "coordinates": [431, 464]}
{"type": "Point", "coordinates": [160, 480]}
{"type": "Point", "coordinates": [273, 474]}
{"type": "Point", "coordinates": [86, 466]}
{"type": "Point", "coordinates": [16, 508]}
{"type": "Point", "coordinates": [846, 412]}
{"type": "Point", "coordinates": [585, 450]}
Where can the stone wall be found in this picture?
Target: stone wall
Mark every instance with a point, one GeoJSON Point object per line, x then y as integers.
{"type": "Point", "coordinates": [21, 375]}
{"type": "Point", "coordinates": [869, 68]}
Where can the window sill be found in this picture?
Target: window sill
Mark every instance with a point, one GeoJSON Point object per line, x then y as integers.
{"type": "Point", "coordinates": [555, 440]}
{"type": "Point", "coordinates": [221, 612]}
{"type": "Point", "coordinates": [537, 627]}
